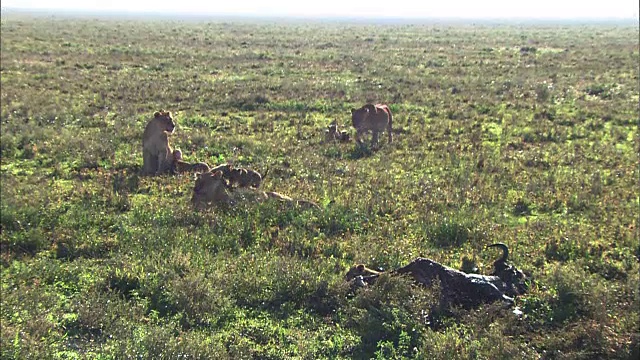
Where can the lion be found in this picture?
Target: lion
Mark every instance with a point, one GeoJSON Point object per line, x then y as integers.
{"type": "Point", "coordinates": [331, 133]}
{"type": "Point", "coordinates": [157, 156]}
{"type": "Point", "coordinates": [374, 118]}
{"type": "Point", "coordinates": [209, 188]}
{"type": "Point", "coordinates": [246, 178]}
{"type": "Point", "coordinates": [180, 166]}
{"type": "Point", "coordinates": [225, 169]}
{"type": "Point", "coordinates": [360, 270]}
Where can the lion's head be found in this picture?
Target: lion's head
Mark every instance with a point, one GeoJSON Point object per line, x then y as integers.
{"type": "Point", "coordinates": [163, 120]}
{"type": "Point", "coordinates": [359, 270]}
{"type": "Point", "coordinates": [209, 188]}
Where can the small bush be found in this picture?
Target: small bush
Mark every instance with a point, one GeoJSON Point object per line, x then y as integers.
{"type": "Point", "coordinates": [449, 232]}
{"type": "Point", "coordinates": [392, 316]}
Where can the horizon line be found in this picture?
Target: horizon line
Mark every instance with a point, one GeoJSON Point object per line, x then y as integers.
{"type": "Point", "coordinates": [194, 14]}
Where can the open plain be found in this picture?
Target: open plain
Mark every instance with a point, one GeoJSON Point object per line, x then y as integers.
{"type": "Point", "coordinates": [521, 134]}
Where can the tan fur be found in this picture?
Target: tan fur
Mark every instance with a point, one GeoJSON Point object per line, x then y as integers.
{"type": "Point", "coordinates": [284, 198]}
{"type": "Point", "coordinates": [180, 166]}
{"type": "Point", "coordinates": [209, 189]}
{"type": "Point", "coordinates": [245, 178]}
{"type": "Point", "coordinates": [225, 169]}
{"type": "Point", "coordinates": [277, 196]}
{"type": "Point", "coordinates": [374, 118]}
{"type": "Point", "coordinates": [157, 156]}
{"type": "Point", "coordinates": [360, 270]}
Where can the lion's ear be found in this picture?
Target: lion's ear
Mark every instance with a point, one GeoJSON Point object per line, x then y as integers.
{"type": "Point", "coordinates": [156, 114]}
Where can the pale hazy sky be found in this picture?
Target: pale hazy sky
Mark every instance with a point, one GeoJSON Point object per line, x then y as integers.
{"type": "Point", "coordinates": [396, 8]}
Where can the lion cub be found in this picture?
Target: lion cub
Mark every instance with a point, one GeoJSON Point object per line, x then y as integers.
{"type": "Point", "coordinates": [331, 133]}
{"type": "Point", "coordinates": [245, 178]}
{"type": "Point", "coordinates": [225, 169]}
{"type": "Point", "coordinates": [360, 270]}
{"type": "Point", "coordinates": [180, 166]}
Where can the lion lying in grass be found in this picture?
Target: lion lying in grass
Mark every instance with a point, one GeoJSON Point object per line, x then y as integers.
{"type": "Point", "coordinates": [225, 169]}
{"type": "Point", "coordinates": [360, 270]}
{"type": "Point", "coordinates": [245, 178]}
{"type": "Point", "coordinates": [180, 166]}
{"type": "Point", "coordinates": [211, 189]}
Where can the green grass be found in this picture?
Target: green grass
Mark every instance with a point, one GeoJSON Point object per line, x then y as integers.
{"type": "Point", "coordinates": [526, 135]}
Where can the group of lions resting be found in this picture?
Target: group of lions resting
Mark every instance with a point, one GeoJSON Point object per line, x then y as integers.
{"type": "Point", "coordinates": [159, 158]}
{"type": "Point", "coordinates": [213, 184]}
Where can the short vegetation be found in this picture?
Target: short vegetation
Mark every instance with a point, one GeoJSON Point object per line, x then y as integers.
{"type": "Point", "coordinates": [526, 135]}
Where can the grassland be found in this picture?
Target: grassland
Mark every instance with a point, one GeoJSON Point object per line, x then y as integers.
{"type": "Point", "coordinates": [526, 135]}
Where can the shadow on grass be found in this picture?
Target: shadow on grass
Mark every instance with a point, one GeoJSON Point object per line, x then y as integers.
{"type": "Point", "coordinates": [361, 151]}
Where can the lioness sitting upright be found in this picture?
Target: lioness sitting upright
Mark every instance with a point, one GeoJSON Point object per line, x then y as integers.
{"type": "Point", "coordinates": [157, 156]}
{"type": "Point", "coordinates": [180, 166]}
{"type": "Point", "coordinates": [374, 118]}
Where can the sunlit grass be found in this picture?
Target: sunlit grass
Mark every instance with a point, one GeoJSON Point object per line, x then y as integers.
{"type": "Point", "coordinates": [522, 135]}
